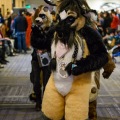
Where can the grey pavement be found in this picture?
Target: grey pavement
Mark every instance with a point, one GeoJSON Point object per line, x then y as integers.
{"type": "Point", "coordinates": [15, 87]}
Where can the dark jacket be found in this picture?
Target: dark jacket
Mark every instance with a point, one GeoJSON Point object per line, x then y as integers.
{"type": "Point", "coordinates": [41, 39]}
{"type": "Point", "coordinates": [20, 24]}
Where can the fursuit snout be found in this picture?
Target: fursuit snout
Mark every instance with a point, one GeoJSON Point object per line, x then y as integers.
{"type": "Point", "coordinates": [64, 32]}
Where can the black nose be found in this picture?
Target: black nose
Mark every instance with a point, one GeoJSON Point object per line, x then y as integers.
{"type": "Point", "coordinates": [37, 21]}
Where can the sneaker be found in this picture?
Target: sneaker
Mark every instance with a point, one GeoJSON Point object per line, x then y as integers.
{"type": "Point", "coordinates": [3, 62]}
{"type": "Point", "coordinates": [6, 61]}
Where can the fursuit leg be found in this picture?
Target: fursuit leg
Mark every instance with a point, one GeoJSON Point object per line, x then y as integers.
{"type": "Point", "coordinates": [53, 102]}
{"type": "Point", "coordinates": [77, 101]}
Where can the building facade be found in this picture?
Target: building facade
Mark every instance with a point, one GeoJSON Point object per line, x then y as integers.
{"type": "Point", "coordinates": [7, 5]}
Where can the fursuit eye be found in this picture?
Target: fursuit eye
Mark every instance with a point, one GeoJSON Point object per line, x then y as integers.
{"type": "Point", "coordinates": [70, 20]}
{"type": "Point", "coordinates": [45, 8]}
{"type": "Point", "coordinates": [42, 16]}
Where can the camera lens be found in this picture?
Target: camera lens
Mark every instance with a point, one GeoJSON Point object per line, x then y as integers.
{"type": "Point", "coordinates": [45, 61]}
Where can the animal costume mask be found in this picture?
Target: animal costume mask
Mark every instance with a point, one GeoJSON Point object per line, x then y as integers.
{"type": "Point", "coordinates": [44, 18]}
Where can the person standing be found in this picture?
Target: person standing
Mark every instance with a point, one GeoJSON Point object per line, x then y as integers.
{"type": "Point", "coordinates": [41, 56]}
{"type": "Point", "coordinates": [28, 32]}
{"type": "Point", "coordinates": [107, 22]}
{"type": "Point", "coordinates": [20, 25]}
{"type": "Point", "coordinates": [115, 21]}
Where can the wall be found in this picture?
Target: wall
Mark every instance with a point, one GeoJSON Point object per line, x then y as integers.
{"type": "Point", "coordinates": [18, 3]}
{"type": "Point", "coordinates": [4, 5]}
{"type": "Point", "coordinates": [7, 4]}
{"type": "Point", "coordinates": [35, 4]}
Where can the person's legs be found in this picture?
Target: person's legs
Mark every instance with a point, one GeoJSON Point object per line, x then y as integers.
{"type": "Point", "coordinates": [15, 44]}
{"type": "Point", "coordinates": [1, 66]}
{"type": "Point", "coordinates": [4, 51]}
{"type": "Point", "coordinates": [23, 39]}
{"type": "Point", "coordinates": [53, 103]}
{"type": "Point", "coordinates": [19, 42]}
{"type": "Point", "coordinates": [12, 46]}
{"type": "Point", "coordinates": [28, 32]}
{"type": "Point", "coordinates": [46, 75]}
{"type": "Point", "coordinates": [36, 85]}
{"type": "Point", "coordinates": [77, 100]}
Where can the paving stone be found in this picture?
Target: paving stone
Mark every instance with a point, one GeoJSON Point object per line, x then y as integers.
{"type": "Point", "coordinates": [15, 87]}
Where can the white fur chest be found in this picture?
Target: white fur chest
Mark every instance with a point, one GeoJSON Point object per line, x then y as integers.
{"type": "Point", "coordinates": [63, 82]}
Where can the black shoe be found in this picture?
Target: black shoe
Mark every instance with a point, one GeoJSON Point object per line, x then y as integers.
{"type": "Point", "coordinates": [12, 54]}
{"type": "Point", "coordinates": [32, 97]}
{"type": "Point", "coordinates": [6, 61]}
{"type": "Point", "coordinates": [38, 107]}
{"type": "Point", "coordinates": [25, 52]}
{"type": "Point", "coordinates": [3, 62]}
{"type": "Point", "coordinates": [43, 117]}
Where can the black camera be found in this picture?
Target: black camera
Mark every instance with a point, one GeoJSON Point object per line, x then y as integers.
{"type": "Point", "coordinates": [44, 59]}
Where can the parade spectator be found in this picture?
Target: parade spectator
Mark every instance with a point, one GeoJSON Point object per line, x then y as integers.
{"type": "Point", "coordinates": [8, 24]}
{"type": "Point", "coordinates": [28, 32]}
{"type": "Point", "coordinates": [115, 21]}
{"type": "Point", "coordinates": [107, 22]}
{"type": "Point", "coordinates": [20, 25]}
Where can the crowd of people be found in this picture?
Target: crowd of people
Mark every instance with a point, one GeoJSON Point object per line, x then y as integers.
{"type": "Point", "coordinates": [15, 33]}
{"type": "Point", "coordinates": [108, 24]}
{"type": "Point", "coordinates": [15, 30]}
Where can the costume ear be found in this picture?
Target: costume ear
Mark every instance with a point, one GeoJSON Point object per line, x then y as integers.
{"type": "Point", "coordinates": [45, 9]}
{"type": "Point", "coordinates": [79, 23]}
{"type": "Point", "coordinates": [50, 2]}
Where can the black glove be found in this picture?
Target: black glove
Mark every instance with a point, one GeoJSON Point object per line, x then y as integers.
{"type": "Point", "coordinates": [69, 68]}
{"type": "Point", "coordinates": [106, 74]}
{"type": "Point", "coordinates": [76, 71]}
{"type": "Point", "coordinates": [38, 38]}
{"type": "Point", "coordinates": [73, 69]}
{"type": "Point", "coordinates": [37, 30]}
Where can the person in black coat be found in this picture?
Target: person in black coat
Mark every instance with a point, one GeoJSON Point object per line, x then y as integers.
{"type": "Point", "coordinates": [41, 53]}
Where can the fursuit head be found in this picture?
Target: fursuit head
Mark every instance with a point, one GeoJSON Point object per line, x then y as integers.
{"type": "Point", "coordinates": [44, 17]}
{"type": "Point", "coordinates": [71, 19]}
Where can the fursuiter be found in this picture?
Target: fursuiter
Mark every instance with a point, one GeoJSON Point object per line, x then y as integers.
{"type": "Point", "coordinates": [77, 50]}
{"type": "Point", "coordinates": [41, 53]}
{"type": "Point", "coordinates": [95, 83]}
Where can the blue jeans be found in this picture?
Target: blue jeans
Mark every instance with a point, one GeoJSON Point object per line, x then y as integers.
{"type": "Point", "coordinates": [21, 39]}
